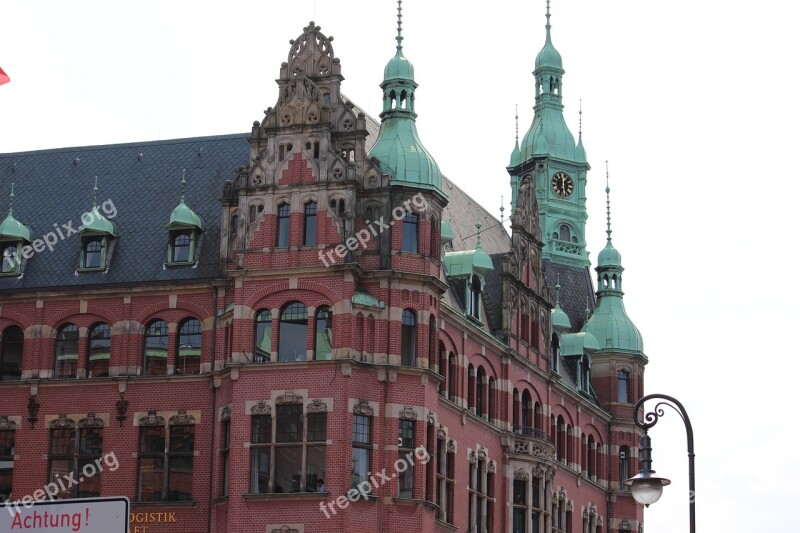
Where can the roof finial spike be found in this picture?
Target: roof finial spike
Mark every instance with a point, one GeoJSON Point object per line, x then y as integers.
{"type": "Point", "coordinates": [502, 210]}
{"type": "Point", "coordinates": [608, 206]}
{"type": "Point", "coordinates": [580, 119]}
{"type": "Point", "coordinates": [11, 200]}
{"type": "Point", "coordinates": [478, 227]}
{"type": "Point", "coordinates": [547, 26]}
{"type": "Point", "coordinates": [587, 310]}
{"type": "Point", "coordinates": [183, 185]}
{"type": "Point", "coordinates": [516, 120]}
{"type": "Point", "coordinates": [399, 37]}
{"type": "Point", "coordinates": [94, 192]}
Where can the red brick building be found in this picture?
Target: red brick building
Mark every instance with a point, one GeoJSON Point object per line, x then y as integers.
{"type": "Point", "coordinates": [304, 329]}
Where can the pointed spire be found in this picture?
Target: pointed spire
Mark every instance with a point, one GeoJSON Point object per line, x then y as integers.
{"type": "Point", "coordinates": [502, 210]}
{"type": "Point", "coordinates": [478, 227]}
{"type": "Point", "coordinates": [580, 151]}
{"type": "Point", "coordinates": [558, 288]}
{"type": "Point", "coordinates": [516, 127]}
{"type": "Point", "coordinates": [94, 193]}
{"type": "Point", "coordinates": [608, 207]}
{"type": "Point", "coordinates": [11, 200]}
{"type": "Point", "coordinates": [183, 186]}
{"type": "Point", "coordinates": [580, 119]}
{"type": "Point", "coordinates": [547, 26]}
{"type": "Point", "coordinates": [516, 155]}
{"type": "Point", "coordinates": [399, 37]}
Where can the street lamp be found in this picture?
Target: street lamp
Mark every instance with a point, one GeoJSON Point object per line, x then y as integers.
{"type": "Point", "coordinates": [645, 486]}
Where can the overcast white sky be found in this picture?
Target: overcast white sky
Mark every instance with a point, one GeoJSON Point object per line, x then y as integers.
{"type": "Point", "coordinates": [694, 104]}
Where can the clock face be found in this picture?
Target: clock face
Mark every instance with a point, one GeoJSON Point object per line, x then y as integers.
{"type": "Point", "coordinates": [562, 184]}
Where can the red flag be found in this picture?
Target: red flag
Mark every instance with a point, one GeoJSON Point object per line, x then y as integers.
{"type": "Point", "coordinates": [4, 77]}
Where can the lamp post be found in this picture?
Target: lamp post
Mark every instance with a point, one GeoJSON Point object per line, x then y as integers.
{"type": "Point", "coordinates": [645, 486]}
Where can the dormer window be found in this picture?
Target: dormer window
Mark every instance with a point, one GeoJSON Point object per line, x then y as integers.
{"type": "Point", "coordinates": [12, 258]}
{"type": "Point", "coordinates": [184, 227]}
{"type": "Point", "coordinates": [14, 235]}
{"type": "Point", "coordinates": [93, 253]}
{"type": "Point", "coordinates": [474, 297]}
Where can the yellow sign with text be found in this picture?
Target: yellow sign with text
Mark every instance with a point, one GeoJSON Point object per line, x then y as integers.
{"type": "Point", "coordinates": [141, 522]}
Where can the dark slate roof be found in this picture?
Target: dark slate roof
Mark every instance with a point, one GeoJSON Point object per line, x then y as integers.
{"type": "Point", "coordinates": [576, 288]}
{"type": "Point", "coordinates": [55, 187]}
{"type": "Point", "coordinates": [463, 212]}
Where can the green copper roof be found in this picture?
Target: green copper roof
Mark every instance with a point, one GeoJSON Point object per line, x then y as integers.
{"type": "Point", "coordinates": [548, 135]}
{"type": "Point", "coordinates": [403, 156]}
{"type": "Point", "coordinates": [398, 147]}
{"type": "Point", "coordinates": [559, 319]}
{"type": "Point", "coordinates": [548, 57]}
{"type": "Point", "coordinates": [468, 262]}
{"type": "Point", "coordinates": [183, 217]}
{"type": "Point", "coordinates": [365, 299]}
{"type": "Point", "coordinates": [98, 225]}
{"type": "Point", "coordinates": [614, 330]}
{"type": "Point", "coordinates": [447, 232]}
{"type": "Point", "coordinates": [609, 256]}
{"type": "Point", "coordinates": [580, 151]}
{"type": "Point", "coordinates": [577, 343]}
{"type": "Point", "coordinates": [516, 156]}
{"type": "Point", "coordinates": [399, 68]}
{"type": "Point", "coordinates": [13, 230]}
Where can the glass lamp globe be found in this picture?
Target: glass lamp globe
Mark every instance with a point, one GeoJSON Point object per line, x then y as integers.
{"type": "Point", "coordinates": [646, 487]}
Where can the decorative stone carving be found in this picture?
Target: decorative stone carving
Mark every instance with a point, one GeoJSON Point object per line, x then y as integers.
{"type": "Point", "coordinates": [431, 418]}
{"type": "Point", "coordinates": [451, 446]}
{"type": "Point", "coordinates": [317, 406]}
{"type": "Point", "coordinates": [472, 457]}
{"type": "Point", "coordinates": [441, 432]}
{"type": "Point", "coordinates": [569, 506]}
{"type": "Point", "coordinates": [181, 419]}
{"type": "Point", "coordinates": [481, 455]}
{"type": "Point", "coordinates": [408, 413]}
{"type": "Point", "coordinates": [492, 467]}
{"type": "Point", "coordinates": [521, 474]}
{"type": "Point", "coordinates": [5, 423]}
{"type": "Point", "coordinates": [363, 408]}
{"type": "Point", "coordinates": [288, 397]}
{"type": "Point", "coordinates": [261, 408]}
{"type": "Point", "coordinates": [62, 422]}
{"type": "Point", "coordinates": [91, 421]}
{"type": "Point", "coordinates": [562, 494]}
{"type": "Point", "coordinates": [151, 419]}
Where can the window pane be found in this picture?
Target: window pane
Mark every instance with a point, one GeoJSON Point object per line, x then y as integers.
{"type": "Point", "coordinates": [90, 486]}
{"type": "Point", "coordinates": [519, 521]}
{"type": "Point", "coordinates": [406, 479]}
{"type": "Point", "coordinates": [93, 253]}
{"type": "Point", "coordinates": [361, 429]}
{"type": "Point", "coordinates": [152, 440]}
{"type": "Point", "coordinates": [259, 470]}
{"type": "Point", "coordinates": [180, 479]}
{"type": "Point", "coordinates": [263, 340]}
{"type": "Point", "coordinates": [11, 354]}
{"type": "Point", "coordinates": [189, 347]}
{"type": "Point", "coordinates": [520, 496]}
{"type": "Point", "coordinates": [6, 463]}
{"type": "Point", "coordinates": [67, 351]}
{"type": "Point", "coordinates": [61, 468]}
{"type": "Point", "coordinates": [360, 465]}
{"type": "Point", "coordinates": [288, 468]}
{"type": "Point", "coordinates": [408, 349]}
{"type": "Point", "coordinates": [315, 466]}
{"type": "Point", "coordinates": [410, 233]}
{"type": "Point", "coordinates": [181, 439]}
{"type": "Point", "coordinates": [10, 259]}
{"type": "Point", "coordinates": [283, 226]}
{"type": "Point", "coordinates": [310, 226]}
{"type": "Point", "coordinates": [323, 338]}
{"type": "Point", "coordinates": [289, 424]}
{"type": "Point", "coordinates": [90, 441]}
{"type": "Point", "coordinates": [151, 479]}
{"type": "Point", "coordinates": [292, 334]}
{"type": "Point", "coordinates": [182, 248]}
{"type": "Point", "coordinates": [262, 429]}
{"type": "Point", "coordinates": [317, 423]}
{"type": "Point", "coordinates": [62, 441]}
{"type": "Point", "coordinates": [155, 349]}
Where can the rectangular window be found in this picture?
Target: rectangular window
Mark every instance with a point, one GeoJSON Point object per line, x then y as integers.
{"type": "Point", "coordinates": [410, 223]}
{"type": "Point", "coordinates": [90, 449]}
{"type": "Point", "coordinates": [166, 461]}
{"type": "Point", "coordinates": [296, 460]}
{"type": "Point", "coordinates": [479, 496]}
{"type": "Point", "coordinates": [62, 458]}
{"type": "Point", "coordinates": [445, 481]}
{"type": "Point", "coordinates": [310, 224]}
{"type": "Point", "coordinates": [405, 446]}
{"type": "Point", "coordinates": [224, 453]}
{"type": "Point", "coordinates": [362, 448]}
{"type": "Point", "coordinates": [6, 463]}
{"type": "Point", "coordinates": [283, 226]}
{"type": "Point", "coordinates": [260, 453]}
{"type": "Point", "coordinates": [622, 386]}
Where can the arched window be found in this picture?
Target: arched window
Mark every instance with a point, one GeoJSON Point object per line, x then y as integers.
{"type": "Point", "coordinates": [471, 387]}
{"type": "Point", "coordinates": [443, 369]}
{"type": "Point", "coordinates": [452, 377]}
{"type": "Point", "coordinates": [310, 223]}
{"type": "Point", "coordinates": [408, 348]}
{"type": "Point", "coordinates": [11, 354]}
{"type": "Point", "coordinates": [189, 347]}
{"type": "Point", "coordinates": [182, 246]}
{"type": "Point", "coordinates": [515, 410]}
{"type": "Point", "coordinates": [67, 351]}
{"type": "Point", "coordinates": [590, 457]}
{"type": "Point", "coordinates": [475, 297]}
{"type": "Point", "coordinates": [262, 345]}
{"type": "Point", "coordinates": [93, 253]}
{"type": "Point", "coordinates": [155, 348]}
{"type": "Point", "coordinates": [410, 223]}
{"type": "Point", "coordinates": [282, 238]}
{"type": "Point", "coordinates": [537, 416]}
{"type": "Point", "coordinates": [293, 332]}
{"type": "Point", "coordinates": [561, 449]}
{"type": "Point", "coordinates": [527, 411]}
{"type": "Point", "coordinates": [623, 389]}
{"type": "Point", "coordinates": [432, 343]}
{"type": "Point", "coordinates": [480, 392]}
{"type": "Point", "coordinates": [323, 334]}
{"type": "Point", "coordinates": [490, 399]}
{"type": "Point", "coordinates": [99, 353]}
{"type": "Point", "coordinates": [624, 466]}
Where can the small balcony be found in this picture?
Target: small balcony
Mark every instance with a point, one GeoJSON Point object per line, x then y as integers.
{"type": "Point", "coordinates": [532, 443]}
{"type": "Point", "coordinates": [533, 433]}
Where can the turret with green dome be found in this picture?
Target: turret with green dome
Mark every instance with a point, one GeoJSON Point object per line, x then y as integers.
{"type": "Point", "coordinates": [609, 323]}
{"type": "Point", "coordinates": [398, 147]}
